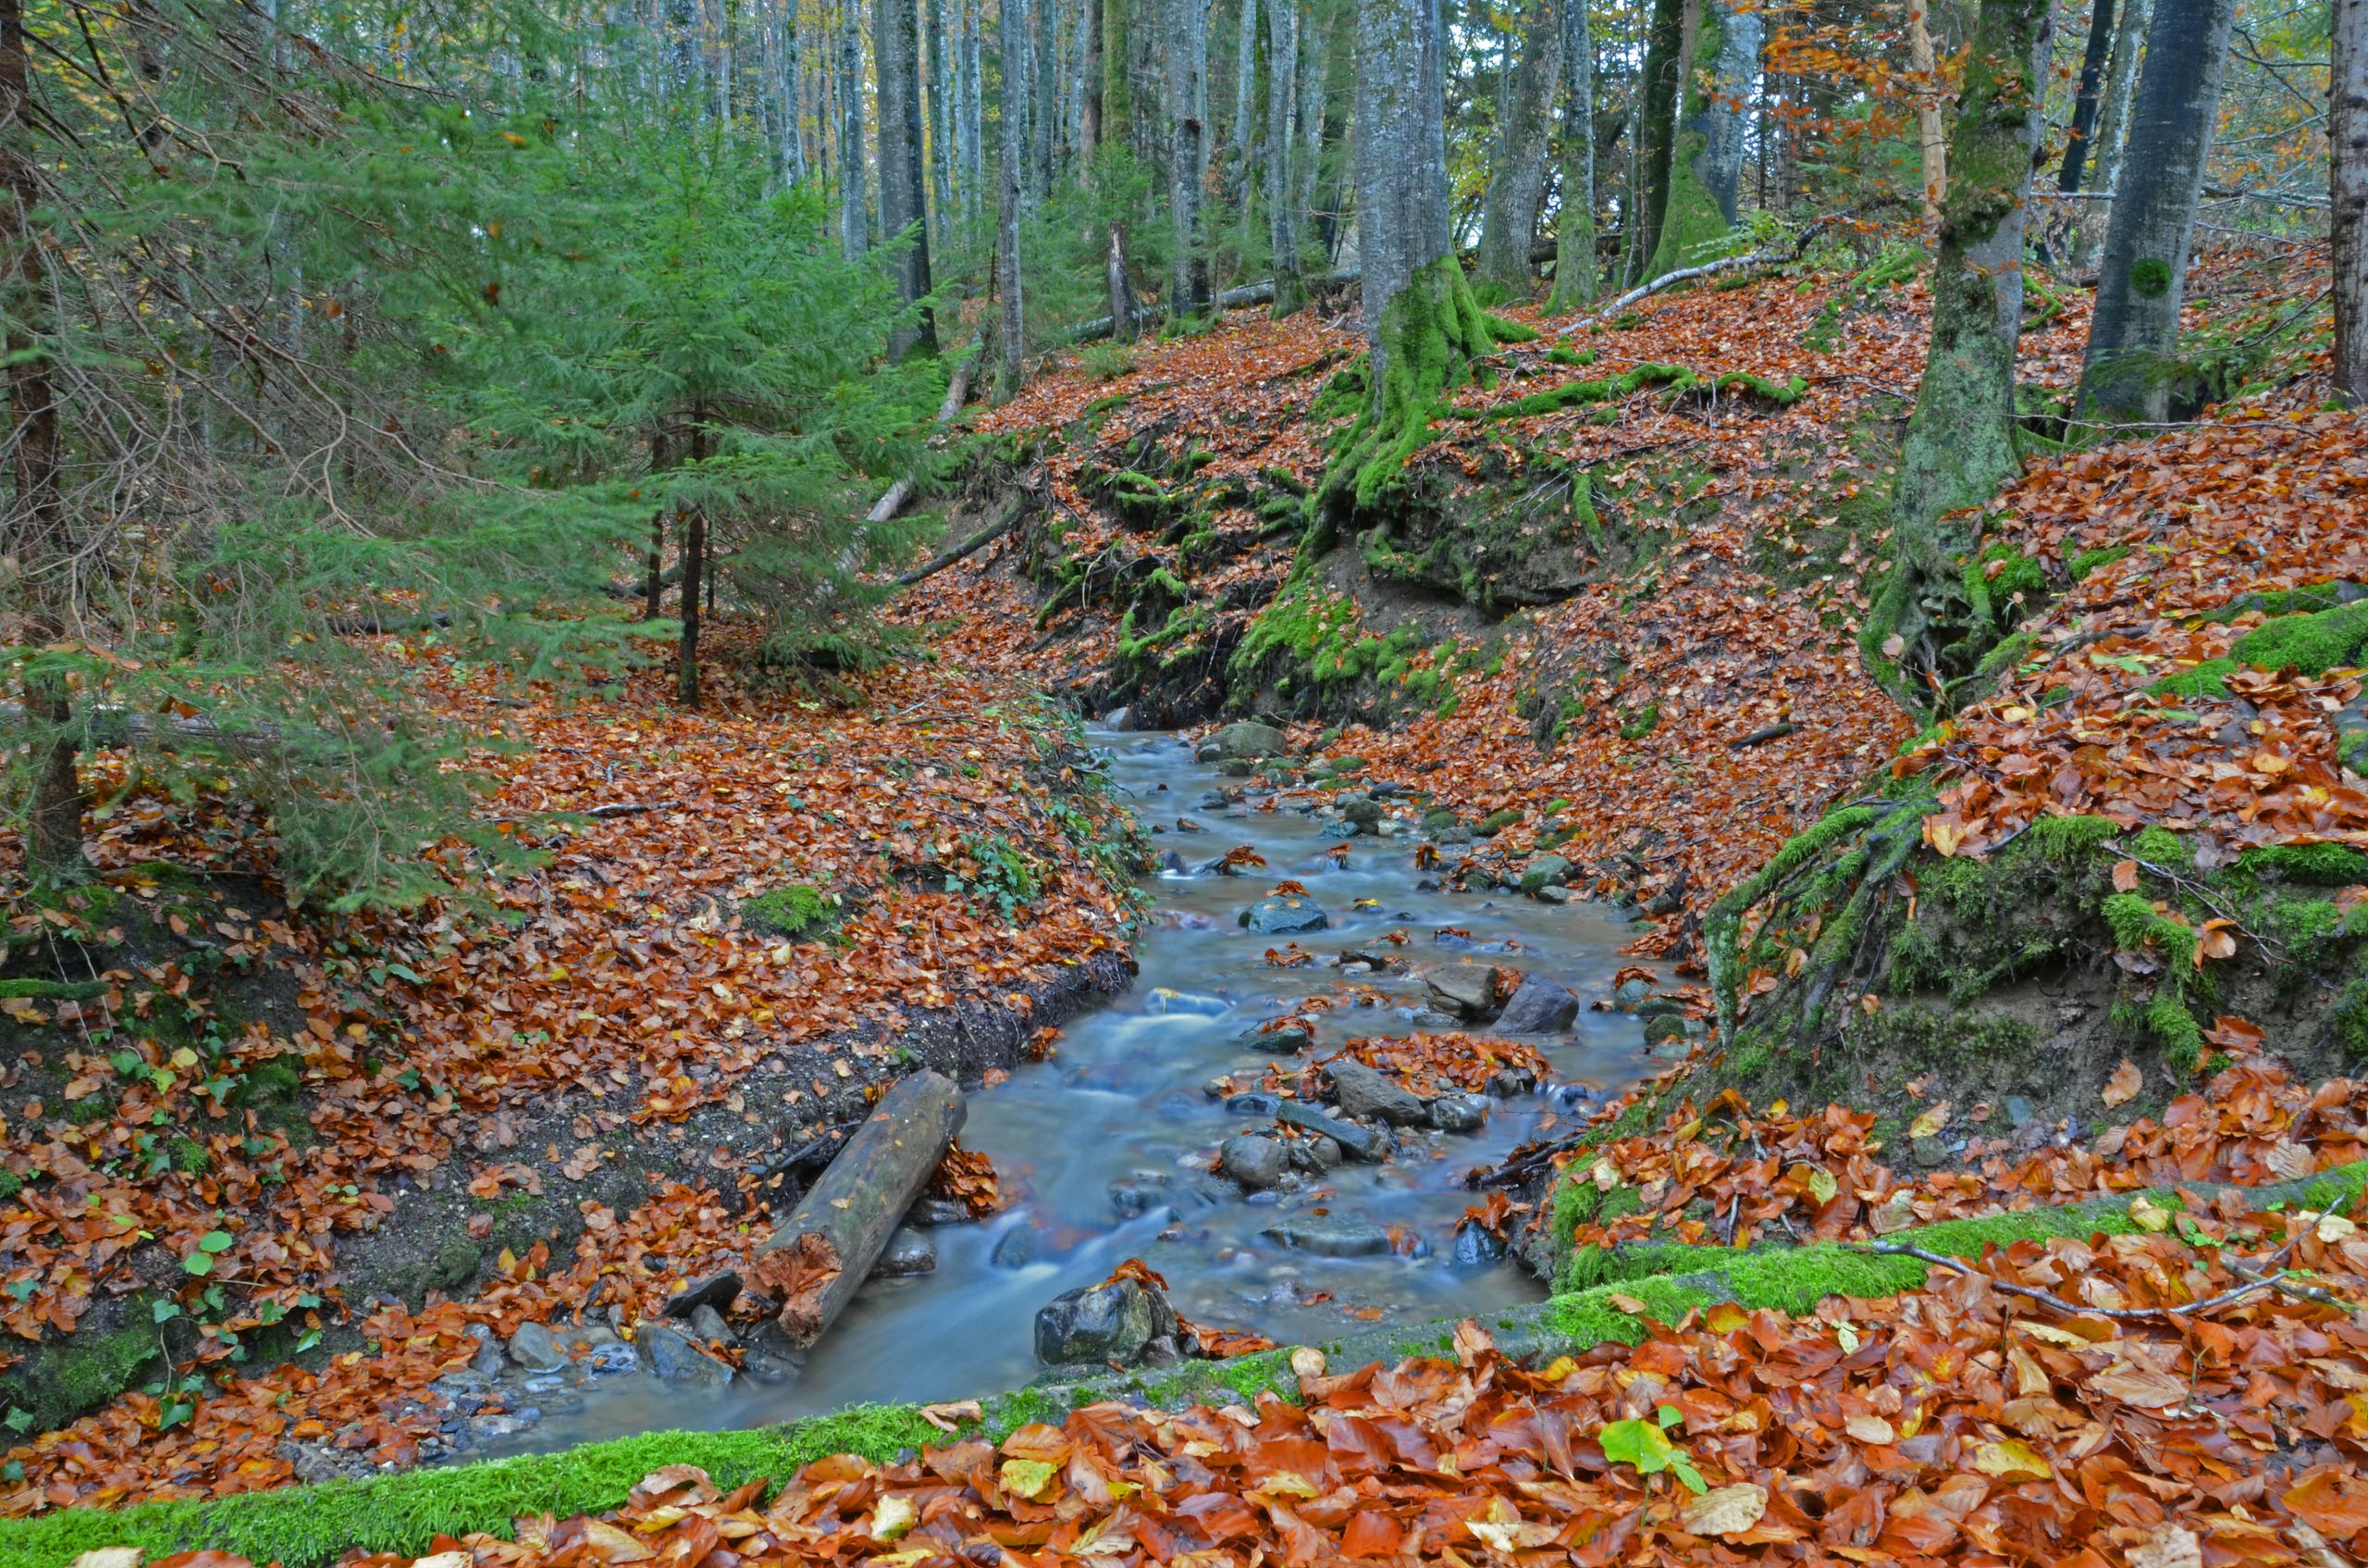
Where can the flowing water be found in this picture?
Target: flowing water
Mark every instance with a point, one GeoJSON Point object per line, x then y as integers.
{"type": "Point", "coordinates": [1121, 1103]}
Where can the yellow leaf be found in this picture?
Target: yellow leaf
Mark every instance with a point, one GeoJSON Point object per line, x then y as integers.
{"type": "Point", "coordinates": [1724, 1510]}
{"type": "Point", "coordinates": [1027, 1478]}
{"type": "Point", "coordinates": [2010, 1460]}
{"type": "Point", "coordinates": [1929, 1124]}
{"type": "Point", "coordinates": [2123, 1086]}
{"type": "Point", "coordinates": [895, 1516]}
{"type": "Point", "coordinates": [1869, 1428]}
{"type": "Point", "coordinates": [2148, 1215]}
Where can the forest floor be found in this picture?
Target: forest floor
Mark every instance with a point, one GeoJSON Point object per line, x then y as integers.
{"type": "Point", "coordinates": [2117, 958]}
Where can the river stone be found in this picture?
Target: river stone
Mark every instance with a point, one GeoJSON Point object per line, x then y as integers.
{"type": "Point", "coordinates": [1459, 1113]}
{"type": "Point", "coordinates": [1658, 1008]}
{"type": "Point", "coordinates": [708, 1324]}
{"type": "Point", "coordinates": [933, 1212]}
{"type": "Point", "coordinates": [1360, 1144]}
{"type": "Point", "coordinates": [1476, 1247]}
{"type": "Point", "coordinates": [1253, 1159]}
{"type": "Point", "coordinates": [1117, 1321]}
{"type": "Point", "coordinates": [1664, 1028]}
{"type": "Point", "coordinates": [1291, 1037]}
{"type": "Point", "coordinates": [718, 1290]}
{"type": "Point", "coordinates": [1368, 1092]}
{"type": "Point", "coordinates": [1539, 1005]}
{"type": "Point", "coordinates": [534, 1348]}
{"type": "Point", "coordinates": [1015, 1250]}
{"type": "Point", "coordinates": [1249, 738]}
{"type": "Point", "coordinates": [1363, 811]}
{"type": "Point", "coordinates": [487, 1361]}
{"type": "Point", "coordinates": [1629, 992]}
{"type": "Point", "coordinates": [674, 1360]}
{"type": "Point", "coordinates": [1469, 991]}
{"type": "Point", "coordinates": [1330, 1236]}
{"type": "Point", "coordinates": [1186, 824]}
{"type": "Point", "coordinates": [1280, 914]}
{"type": "Point", "coordinates": [908, 1252]}
{"type": "Point", "coordinates": [1173, 864]}
{"type": "Point", "coordinates": [1254, 1102]}
{"type": "Point", "coordinates": [1546, 871]}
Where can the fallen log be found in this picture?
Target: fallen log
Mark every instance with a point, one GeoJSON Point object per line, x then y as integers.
{"type": "Point", "coordinates": [822, 1255]}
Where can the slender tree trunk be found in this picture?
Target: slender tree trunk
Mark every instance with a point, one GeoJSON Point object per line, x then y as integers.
{"type": "Point", "coordinates": [1088, 118]}
{"type": "Point", "coordinates": [2348, 150]}
{"type": "Point", "coordinates": [1043, 119]}
{"type": "Point", "coordinates": [1929, 132]}
{"type": "Point", "coordinates": [1517, 178]}
{"type": "Point", "coordinates": [1706, 162]}
{"type": "Point", "coordinates": [36, 540]}
{"type": "Point", "coordinates": [1575, 275]}
{"type": "Point", "coordinates": [2078, 147]}
{"type": "Point", "coordinates": [692, 529]}
{"type": "Point", "coordinates": [855, 206]}
{"type": "Point", "coordinates": [1117, 87]}
{"type": "Point", "coordinates": [1321, 126]}
{"type": "Point", "coordinates": [1187, 115]}
{"type": "Point", "coordinates": [1243, 178]}
{"type": "Point", "coordinates": [1960, 440]}
{"type": "Point", "coordinates": [1011, 330]}
{"type": "Point", "coordinates": [2135, 325]}
{"type": "Point", "coordinates": [1662, 76]}
{"type": "Point", "coordinates": [2121, 85]}
{"type": "Point", "coordinates": [1282, 143]}
{"type": "Point", "coordinates": [941, 183]}
{"type": "Point", "coordinates": [895, 50]}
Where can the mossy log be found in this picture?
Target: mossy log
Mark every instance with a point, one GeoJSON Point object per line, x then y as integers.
{"type": "Point", "coordinates": [823, 1255]}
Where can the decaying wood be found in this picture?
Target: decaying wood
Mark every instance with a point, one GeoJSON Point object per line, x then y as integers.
{"type": "Point", "coordinates": [817, 1261]}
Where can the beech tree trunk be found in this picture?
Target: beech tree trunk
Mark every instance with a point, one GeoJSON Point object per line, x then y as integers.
{"type": "Point", "coordinates": [1517, 176]}
{"type": "Point", "coordinates": [1244, 174]}
{"type": "Point", "coordinates": [1576, 277]}
{"type": "Point", "coordinates": [1931, 133]}
{"type": "Point", "coordinates": [941, 84]}
{"type": "Point", "coordinates": [821, 1256]}
{"type": "Point", "coordinates": [1706, 159]}
{"type": "Point", "coordinates": [855, 202]}
{"type": "Point", "coordinates": [2348, 148]}
{"type": "Point", "coordinates": [1960, 440]}
{"type": "Point", "coordinates": [2135, 328]}
{"type": "Point", "coordinates": [2121, 85]}
{"type": "Point", "coordinates": [1657, 126]}
{"type": "Point", "coordinates": [1282, 148]}
{"type": "Point", "coordinates": [1011, 324]}
{"type": "Point", "coordinates": [2078, 147]}
{"type": "Point", "coordinates": [904, 210]}
{"type": "Point", "coordinates": [1187, 95]}
{"type": "Point", "coordinates": [37, 538]}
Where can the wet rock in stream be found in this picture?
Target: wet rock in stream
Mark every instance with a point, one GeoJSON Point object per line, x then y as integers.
{"type": "Point", "coordinates": [908, 1252]}
{"type": "Point", "coordinates": [1255, 1161]}
{"type": "Point", "coordinates": [1539, 1005]}
{"type": "Point", "coordinates": [673, 1359]}
{"type": "Point", "coordinates": [1469, 991]}
{"type": "Point", "coordinates": [1282, 914]}
{"type": "Point", "coordinates": [1362, 1143]}
{"type": "Point", "coordinates": [1368, 1092]}
{"type": "Point", "coordinates": [1120, 1320]}
{"type": "Point", "coordinates": [1330, 1236]}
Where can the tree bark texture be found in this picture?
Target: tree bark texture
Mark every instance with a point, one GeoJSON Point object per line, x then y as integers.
{"type": "Point", "coordinates": [821, 1256]}
{"type": "Point", "coordinates": [1243, 175]}
{"type": "Point", "coordinates": [904, 209]}
{"type": "Point", "coordinates": [2135, 328]}
{"type": "Point", "coordinates": [2121, 85]}
{"type": "Point", "coordinates": [2080, 144]}
{"type": "Point", "coordinates": [1282, 148]}
{"type": "Point", "coordinates": [1576, 277]}
{"type": "Point", "coordinates": [2348, 148]}
{"type": "Point", "coordinates": [1657, 124]}
{"type": "Point", "coordinates": [941, 84]}
{"type": "Point", "coordinates": [1011, 322]}
{"type": "Point", "coordinates": [1706, 159]}
{"type": "Point", "coordinates": [855, 202]}
{"type": "Point", "coordinates": [1187, 93]}
{"type": "Point", "coordinates": [1931, 133]}
{"type": "Point", "coordinates": [1517, 176]}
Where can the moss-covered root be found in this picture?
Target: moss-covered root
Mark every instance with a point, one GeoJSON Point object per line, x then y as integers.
{"type": "Point", "coordinates": [1427, 338]}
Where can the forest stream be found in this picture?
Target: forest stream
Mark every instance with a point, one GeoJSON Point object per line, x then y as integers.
{"type": "Point", "coordinates": [1105, 1148]}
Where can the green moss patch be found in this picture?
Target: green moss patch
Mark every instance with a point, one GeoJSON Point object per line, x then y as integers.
{"type": "Point", "coordinates": [796, 912]}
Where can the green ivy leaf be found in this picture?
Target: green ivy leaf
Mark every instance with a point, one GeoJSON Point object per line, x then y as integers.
{"type": "Point", "coordinates": [215, 1241]}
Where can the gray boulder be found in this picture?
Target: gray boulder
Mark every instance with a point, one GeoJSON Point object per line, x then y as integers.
{"type": "Point", "coordinates": [1546, 871]}
{"type": "Point", "coordinates": [1253, 1159]}
{"type": "Point", "coordinates": [1120, 1321]}
{"type": "Point", "coordinates": [1284, 914]}
{"type": "Point", "coordinates": [1363, 811]}
{"type": "Point", "coordinates": [675, 1360]}
{"type": "Point", "coordinates": [1330, 1236]}
{"type": "Point", "coordinates": [1368, 1092]}
{"type": "Point", "coordinates": [1469, 991]}
{"type": "Point", "coordinates": [1539, 1005]}
{"type": "Point", "coordinates": [534, 1349]}
{"type": "Point", "coordinates": [1249, 738]}
{"type": "Point", "coordinates": [1459, 1113]}
{"type": "Point", "coordinates": [908, 1252]}
{"type": "Point", "coordinates": [1362, 1144]}
{"type": "Point", "coordinates": [1290, 1037]}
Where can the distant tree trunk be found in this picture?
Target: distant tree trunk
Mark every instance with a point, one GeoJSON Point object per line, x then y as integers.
{"type": "Point", "coordinates": [1187, 93]}
{"type": "Point", "coordinates": [1241, 178]}
{"type": "Point", "coordinates": [1960, 440]}
{"type": "Point", "coordinates": [1657, 124]}
{"type": "Point", "coordinates": [790, 93]}
{"type": "Point", "coordinates": [941, 120]}
{"type": "Point", "coordinates": [2348, 148]}
{"type": "Point", "coordinates": [2078, 146]}
{"type": "Point", "coordinates": [1043, 117]}
{"type": "Point", "coordinates": [2121, 86]}
{"type": "Point", "coordinates": [37, 536]}
{"type": "Point", "coordinates": [1282, 146]}
{"type": "Point", "coordinates": [1011, 322]}
{"type": "Point", "coordinates": [1706, 160]}
{"type": "Point", "coordinates": [855, 206]}
{"type": "Point", "coordinates": [1931, 134]}
{"type": "Point", "coordinates": [1118, 84]}
{"type": "Point", "coordinates": [1323, 125]}
{"type": "Point", "coordinates": [1517, 173]}
{"type": "Point", "coordinates": [1575, 274]}
{"type": "Point", "coordinates": [895, 49]}
{"type": "Point", "coordinates": [2135, 325]}
{"type": "Point", "coordinates": [1089, 121]}
{"type": "Point", "coordinates": [974, 107]}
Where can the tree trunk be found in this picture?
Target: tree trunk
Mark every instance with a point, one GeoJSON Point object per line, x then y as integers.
{"type": "Point", "coordinates": [822, 1255]}
{"type": "Point", "coordinates": [1575, 275]}
{"type": "Point", "coordinates": [1282, 146]}
{"type": "Point", "coordinates": [36, 538]}
{"type": "Point", "coordinates": [2135, 328]}
{"type": "Point", "coordinates": [1187, 93]}
{"type": "Point", "coordinates": [1245, 83]}
{"type": "Point", "coordinates": [855, 207]}
{"type": "Point", "coordinates": [2078, 147]}
{"type": "Point", "coordinates": [1122, 292]}
{"type": "Point", "coordinates": [1706, 160]}
{"type": "Point", "coordinates": [1517, 178]}
{"type": "Point", "coordinates": [2121, 84]}
{"type": "Point", "coordinates": [941, 182]}
{"type": "Point", "coordinates": [1011, 326]}
{"type": "Point", "coordinates": [1117, 87]}
{"type": "Point", "coordinates": [1657, 126]}
{"type": "Point", "coordinates": [974, 107]}
{"type": "Point", "coordinates": [1089, 118]}
{"type": "Point", "coordinates": [904, 211]}
{"type": "Point", "coordinates": [1929, 132]}
{"type": "Point", "coordinates": [2348, 150]}
{"type": "Point", "coordinates": [1043, 117]}
{"type": "Point", "coordinates": [1960, 440]}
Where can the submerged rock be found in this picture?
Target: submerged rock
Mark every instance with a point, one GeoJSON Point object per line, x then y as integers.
{"type": "Point", "coordinates": [673, 1359]}
{"type": "Point", "coordinates": [1123, 1320]}
{"type": "Point", "coordinates": [1476, 1247]}
{"type": "Point", "coordinates": [1469, 991]}
{"type": "Point", "coordinates": [1539, 1005]}
{"type": "Point", "coordinates": [1459, 1113]}
{"type": "Point", "coordinates": [1330, 1236]}
{"type": "Point", "coordinates": [1253, 1159]}
{"type": "Point", "coordinates": [1281, 914]}
{"type": "Point", "coordinates": [1368, 1092]}
{"type": "Point", "coordinates": [908, 1252]}
{"type": "Point", "coordinates": [1356, 1143]}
